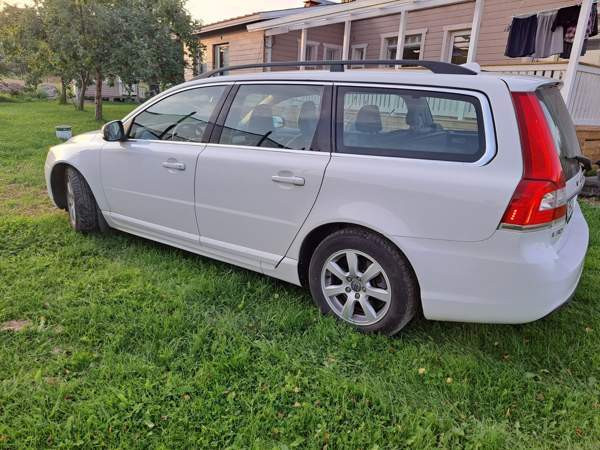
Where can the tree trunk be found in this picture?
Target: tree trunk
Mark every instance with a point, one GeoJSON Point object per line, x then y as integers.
{"type": "Point", "coordinates": [98, 94]}
{"type": "Point", "coordinates": [63, 91]}
{"type": "Point", "coordinates": [84, 77]}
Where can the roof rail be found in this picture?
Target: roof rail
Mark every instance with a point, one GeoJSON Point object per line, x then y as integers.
{"type": "Point", "coordinates": [338, 66]}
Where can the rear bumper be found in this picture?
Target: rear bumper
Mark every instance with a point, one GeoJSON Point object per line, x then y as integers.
{"type": "Point", "coordinates": [513, 277]}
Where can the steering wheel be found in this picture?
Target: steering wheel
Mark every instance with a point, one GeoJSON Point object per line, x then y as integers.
{"type": "Point", "coordinates": [187, 132]}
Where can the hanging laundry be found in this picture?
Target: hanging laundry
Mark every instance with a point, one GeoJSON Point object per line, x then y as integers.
{"type": "Point", "coordinates": [548, 42]}
{"type": "Point", "coordinates": [521, 38]}
{"type": "Point", "coordinates": [566, 53]}
{"type": "Point", "coordinates": [568, 17]}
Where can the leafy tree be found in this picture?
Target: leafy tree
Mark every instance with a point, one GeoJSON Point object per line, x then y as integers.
{"type": "Point", "coordinates": [85, 40]}
{"type": "Point", "coordinates": [23, 43]}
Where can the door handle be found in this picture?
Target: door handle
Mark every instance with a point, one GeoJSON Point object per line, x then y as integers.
{"type": "Point", "coordinates": [173, 165]}
{"type": "Point", "coordinates": [296, 181]}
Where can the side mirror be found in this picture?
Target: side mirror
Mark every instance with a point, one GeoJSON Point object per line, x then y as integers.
{"type": "Point", "coordinates": [113, 131]}
{"type": "Point", "coordinates": [278, 122]}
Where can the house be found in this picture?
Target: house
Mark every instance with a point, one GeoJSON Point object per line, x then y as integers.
{"type": "Point", "coordinates": [457, 31]}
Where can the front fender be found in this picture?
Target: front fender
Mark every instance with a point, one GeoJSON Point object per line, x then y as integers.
{"type": "Point", "coordinates": [83, 156]}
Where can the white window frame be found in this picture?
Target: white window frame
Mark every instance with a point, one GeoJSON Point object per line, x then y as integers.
{"type": "Point", "coordinates": [423, 33]}
{"type": "Point", "coordinates": [383, 48]}
{"type": "Point", "coordinates": [356, 47]}
{"type": "Point", "coordinates": [331, 47]}
{"type": "Point", "coordinates": [215, 51]}
{"type": "Point", "coordinates": [447, 41]}
{"type": "Point", "coordinates": [315, 57]}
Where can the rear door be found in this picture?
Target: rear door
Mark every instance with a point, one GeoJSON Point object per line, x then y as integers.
{"type": "Point", "coordinates": [259, 177]}
{"type": "Point", "coordinates": [565, 138]}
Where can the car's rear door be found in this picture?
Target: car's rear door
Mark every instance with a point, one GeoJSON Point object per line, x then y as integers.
{"type": "Point", "coordinates": [565, 139]}
{"type": "Point", "coordinates": [258, 178]}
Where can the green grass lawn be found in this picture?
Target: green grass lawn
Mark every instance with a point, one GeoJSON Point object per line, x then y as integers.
{"type": "Point", "coordinates": [135, 344]}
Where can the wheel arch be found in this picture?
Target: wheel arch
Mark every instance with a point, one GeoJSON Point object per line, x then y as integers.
{"type": "Point", "coordinates": [316, 235]}
{"type": "Point", "coordinates": [57, 184]}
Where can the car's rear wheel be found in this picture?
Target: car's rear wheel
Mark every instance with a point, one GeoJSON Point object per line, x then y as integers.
{"type": "Point", "coordinates": [84, 214]}
{"type": "Point", "coordinates": [364, 280]}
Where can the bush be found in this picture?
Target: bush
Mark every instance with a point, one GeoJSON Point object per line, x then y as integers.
{"type": "Point", "coordinates": [41, 94]}
{"type": "Point", "coordinates": [4, 98]}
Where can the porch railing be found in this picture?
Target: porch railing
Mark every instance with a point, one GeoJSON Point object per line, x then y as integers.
{"type": "Point", "coordinates": [584, 104]}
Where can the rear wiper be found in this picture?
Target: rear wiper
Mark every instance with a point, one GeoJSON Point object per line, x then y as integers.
{"type": "Point", "coordinates": [586, 163]}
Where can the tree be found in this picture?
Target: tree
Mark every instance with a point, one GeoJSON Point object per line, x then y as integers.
{"type": "Point", "coordinates": [23, 43]}
{"type": "Point", "coordinates": [132, 40]}
{"type": "Point", "coordinates": [87, 40]}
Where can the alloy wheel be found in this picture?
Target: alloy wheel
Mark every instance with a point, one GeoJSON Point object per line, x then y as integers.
{"type": "Point", "coordinates": [356, 287]}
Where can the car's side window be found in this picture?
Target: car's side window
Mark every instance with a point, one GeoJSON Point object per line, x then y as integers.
{"type": "Point", "coordinates": [409, 124]}
{"type": "Point", "coordinates": [183, 116]}
{"type": "Point", "coordinates": [275, 116]}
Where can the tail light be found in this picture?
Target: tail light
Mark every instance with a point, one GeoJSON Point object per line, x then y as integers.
{"type": "Point", "coordinates": [540, 197]}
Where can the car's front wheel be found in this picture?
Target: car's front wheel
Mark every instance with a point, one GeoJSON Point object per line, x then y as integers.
{"type": "Point", "coordinates": [364, 280]}
{"type": "Point", "coordinates": [84, 214]}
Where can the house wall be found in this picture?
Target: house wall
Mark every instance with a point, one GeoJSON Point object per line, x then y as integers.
{"type": "Point", "coordinates": [435, 20]}
{"type": "Point", "coordinates": [244, 47]}
{"type": "Point", "coordinates": [497, 15]}
{"type": "Point", "coordinates": [285, 46]}
{"type": "Point", "coordinates": [369, 31]}
{"type": "Point", "coordinates": [330, 34]}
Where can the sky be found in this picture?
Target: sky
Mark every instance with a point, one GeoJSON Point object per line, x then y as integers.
{"type": "Point", "coordinates": [209, 11]}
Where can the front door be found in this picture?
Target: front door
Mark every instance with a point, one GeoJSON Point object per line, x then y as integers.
{"type": "Point", "coordinates": [258, 180]}
{"type": "Point", "coordinates": [148, 180]}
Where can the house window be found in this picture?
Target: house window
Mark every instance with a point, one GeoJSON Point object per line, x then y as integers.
{"type": "Point", "coordinates": [312, 52]}
{"type": "Point", "coordinates": [390, 46]}
{"type": "Point", "coordinates": [221, 56]}
{"type": "Point", "coordinates": [332, 52]}
{"type": "Point", "coordinates": [412, 46]}
{"type": "Point", "coordinates": [359, 53]}
{"type": "Point", "coordinates": [458, 47]}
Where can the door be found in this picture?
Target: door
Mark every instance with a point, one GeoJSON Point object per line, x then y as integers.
{"type": "Point", "coordinates": [148, 180]}
{"type": "Point", "coordinates": [259, 178]}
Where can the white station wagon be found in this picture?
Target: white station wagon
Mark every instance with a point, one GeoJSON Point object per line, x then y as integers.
{"type": "Point", "coordinates": [385, 192]}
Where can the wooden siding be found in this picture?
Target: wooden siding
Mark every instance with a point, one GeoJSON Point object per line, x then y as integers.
{"type": "Point", "coordinates": [435, 20]}
{"type": "Point", "coordinates": [589, 140]}
{"type": "Point", "coordinates": [285, 46]}
{"type": "Point", "coordinates": [369, 31]}
{"type": "Point", "coordinates": [330, 34]}
{"type": "Point", "coordinates": [497, 15]}
{"type": "Point", "coordinates": [244, 47]}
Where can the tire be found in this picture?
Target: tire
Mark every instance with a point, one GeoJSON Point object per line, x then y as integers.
{"type": "Point", "coordinates": [378, 281]}
{"type": "Point", "coordinates": [84, 214]}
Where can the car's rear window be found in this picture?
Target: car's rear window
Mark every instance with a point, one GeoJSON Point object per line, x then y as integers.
{"type": "Point", "coordinates": [409, 124]}
{"type": "Point", "coordinates": [562, 128]}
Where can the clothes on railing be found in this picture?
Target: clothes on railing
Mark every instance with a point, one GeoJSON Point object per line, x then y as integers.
{"type": "Point", "coordinates": [548, 33]}
{"type": "Point", "coordinates": [521, 39]}
{"type": "Point", "coordinates": [548, 39]}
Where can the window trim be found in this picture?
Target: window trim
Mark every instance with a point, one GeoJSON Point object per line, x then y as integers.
{"type": "Point", "coordinates": [423, 33]}
{"type": "Point", "coordinates": [214, 53]}
{"type": "Point", "coordinates": [327, 46]}
{"type": "Point", "coordinates": [487, 121]}
{"type": "Point", "coordinates": [359, 46]}
{"type": "Point", "coordinates": [384, 36]}
{"type": "Point", "coordinates": [383, 47]}
{"type": "Point", "coordinates": [315, 45]}
{"type": "Point", "coordinates": [449, 31]}
{"type": "Point", "coordinates": [128, 121]}
{"type": "Point", "coordinates": [322, 141]}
